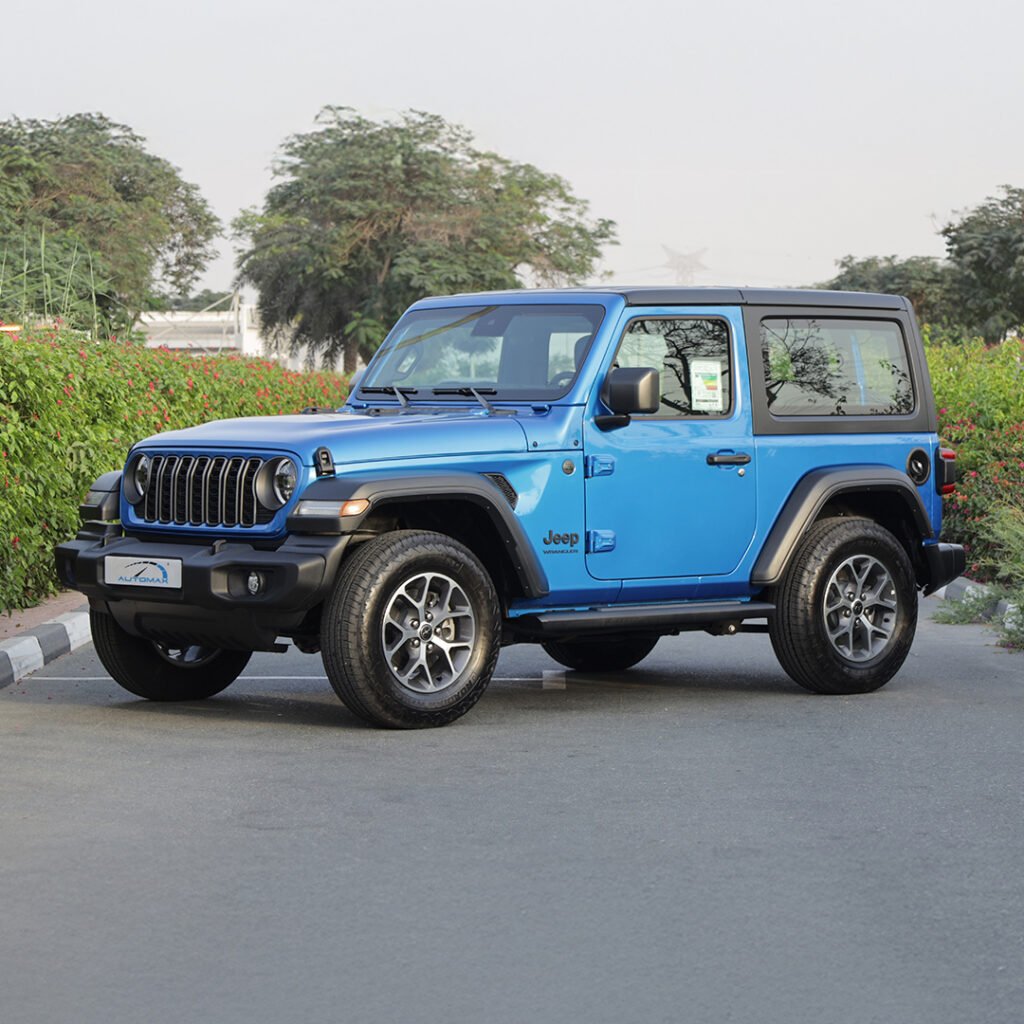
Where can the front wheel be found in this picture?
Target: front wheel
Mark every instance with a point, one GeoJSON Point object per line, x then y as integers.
{"type": "Point", "coordinates": [161, 672]}
{"type": "Point", "coordinates": [411, 632]}
{"type": "Point", "coordinates": [846, 609]}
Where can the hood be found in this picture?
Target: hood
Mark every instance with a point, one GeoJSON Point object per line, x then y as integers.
{"type": "Point", "coordinates": [353, 437]}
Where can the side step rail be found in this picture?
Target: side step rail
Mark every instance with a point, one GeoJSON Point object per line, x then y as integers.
{"type": "Point", "coordinates": [626, 618]}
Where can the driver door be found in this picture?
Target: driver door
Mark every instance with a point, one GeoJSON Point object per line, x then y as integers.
{"type": "Point", "coordinates": [672, 494]}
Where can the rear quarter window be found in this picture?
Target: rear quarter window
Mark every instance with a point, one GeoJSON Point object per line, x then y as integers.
{"type": "Point", "coordinates": [833, 367]}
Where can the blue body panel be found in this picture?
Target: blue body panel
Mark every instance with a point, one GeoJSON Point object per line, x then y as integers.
{"type": "Point", "coordinates": [660, 522]}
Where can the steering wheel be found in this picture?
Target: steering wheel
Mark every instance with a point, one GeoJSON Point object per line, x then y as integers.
{"type": "Point", "coordinates": [562, 378]}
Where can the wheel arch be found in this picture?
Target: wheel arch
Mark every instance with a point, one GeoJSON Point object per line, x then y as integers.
{"type": "Point", "coordinates": [880, 493]}
{"type": "Point", "coordinates": [466, 506]}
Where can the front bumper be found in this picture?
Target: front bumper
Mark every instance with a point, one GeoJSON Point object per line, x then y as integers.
{"type": "Point", "coordinates": [213, 605]}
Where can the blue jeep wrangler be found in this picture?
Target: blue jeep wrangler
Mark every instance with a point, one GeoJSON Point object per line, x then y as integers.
{"type": "Point", "coordinates": [586, 469]}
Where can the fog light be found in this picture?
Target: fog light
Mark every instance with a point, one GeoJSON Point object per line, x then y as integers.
{"type": "Point", "coordinates": [254, 583]}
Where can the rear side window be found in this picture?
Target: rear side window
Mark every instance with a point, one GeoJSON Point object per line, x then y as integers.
{"type": "Point", "coordinates": [826, 367]}
{"type": "Point", "coordinates": [692, 356]}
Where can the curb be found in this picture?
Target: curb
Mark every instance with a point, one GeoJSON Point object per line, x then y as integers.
{"type": "Point", "coordinates": [30, 651]}
{"type": "Point", "coordinates": [962, 588]}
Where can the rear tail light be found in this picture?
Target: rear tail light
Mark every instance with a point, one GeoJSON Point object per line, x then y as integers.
{"type": "Point", "coordinates": [945, 471]}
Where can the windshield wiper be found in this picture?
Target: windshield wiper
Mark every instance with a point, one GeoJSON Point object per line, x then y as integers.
{"type": "Point", "coordinates": [391, 389]}
{"type": "Point", "coordinates": [477, 393]}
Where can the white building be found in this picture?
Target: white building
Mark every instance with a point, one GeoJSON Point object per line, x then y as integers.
{"type": "Point", "coordinates": [215, 331]}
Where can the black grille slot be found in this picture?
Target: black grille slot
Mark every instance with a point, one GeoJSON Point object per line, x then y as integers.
{"type": "Point", "coordinates": [504, 486]}
{"type": "Point", "coordinates": [203, 490]}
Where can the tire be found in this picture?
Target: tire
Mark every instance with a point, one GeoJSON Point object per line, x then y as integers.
{"type": "Point", "coordinates": [159, 672]}
{"type": "Point", "coordinates": [382, 655]}
{"type": "Point", "coordinates": [846, 609]}
{"type": "Point", "coordinates": [600, 655]}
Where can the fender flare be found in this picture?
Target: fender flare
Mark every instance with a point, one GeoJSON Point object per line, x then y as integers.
{"type": "Point", "coordinates": [811, 495]}
{"type": "Point", "coordinates": [103, 502]}
{"type": "Point", "coordinates": [383, 488]}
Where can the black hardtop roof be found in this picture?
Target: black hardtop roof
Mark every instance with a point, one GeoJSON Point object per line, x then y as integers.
{"type": "Point", "coordinates": [714, 296]}
{"type": "Point", "coordinates": [757, 297]}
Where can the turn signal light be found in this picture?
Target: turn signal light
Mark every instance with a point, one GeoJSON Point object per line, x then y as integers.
{"type": "Point", "coordinates": [352, 507]}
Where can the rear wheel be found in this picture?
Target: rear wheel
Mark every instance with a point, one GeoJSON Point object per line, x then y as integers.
{"type": "Point", "coordinates": [159, 671]}
{"type": "Point", "coordinates": [600, 655]}
{"type": "Point", "coordinates": [846, 609]}
{"type": "Point", "coordinates": [411, 632]}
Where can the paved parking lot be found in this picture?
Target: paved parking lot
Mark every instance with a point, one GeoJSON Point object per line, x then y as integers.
{"type": "Point", "coordinates": [695, 840]}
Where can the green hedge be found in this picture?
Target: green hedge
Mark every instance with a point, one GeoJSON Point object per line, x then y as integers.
{"type": "Point", "coordinates": [980, 395]}
{"type": "Point", "coordinates": [71, 408]}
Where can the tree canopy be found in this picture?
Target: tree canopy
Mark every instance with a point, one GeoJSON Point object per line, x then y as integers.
{"type": "Point", "coordinates": [90, 219]}
{"type": "Point", "coordinates": [929, 283]}
{"type": "Point", "coordinates": [978, 288]}
{"type": "Point", "coordinates": [986, 245]}
{"type": "Point", "coordinates": [369, 216]}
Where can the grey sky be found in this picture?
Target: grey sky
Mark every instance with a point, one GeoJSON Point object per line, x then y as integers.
{"type": "Point", "coordinates": [777, 136]}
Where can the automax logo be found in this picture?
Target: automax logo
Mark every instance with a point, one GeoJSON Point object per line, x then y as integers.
{"type": "Point", "coordinates": [140, 577]}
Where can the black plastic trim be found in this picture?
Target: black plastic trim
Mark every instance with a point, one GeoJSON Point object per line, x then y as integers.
{"type": "Point", "coordinates": [299, 572]}
{"type": "Point", "coordinates": [945, 563]}
{"type": "Point", "coordinates": [809, 497]}
{"type": "Point", "coordinates": [103, 502]}
{"type": "Point", "coordinates": [757, 296]}
{"type": "Point", "coordinates": [386, 489]}
{"type": "Point", "coordinates": [625, 618]}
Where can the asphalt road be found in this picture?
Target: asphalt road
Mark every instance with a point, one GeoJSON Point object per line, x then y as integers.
{"type": "Point", "coordinates": [693, 841]}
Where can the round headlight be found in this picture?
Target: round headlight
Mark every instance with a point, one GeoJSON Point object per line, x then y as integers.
{"type": "Point", "coordinates": [141, 474]}
{"type": "Point", "coordinates": [285, 478]}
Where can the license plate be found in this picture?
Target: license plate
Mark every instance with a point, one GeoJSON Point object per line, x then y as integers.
{"type": "Point", "coordinates": [128, 571]}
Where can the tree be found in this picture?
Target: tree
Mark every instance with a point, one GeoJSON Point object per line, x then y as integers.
{"type": "Point", "coordinates": [986, 245]}
{"type": "Point", "coordinates": [87, 213]}
{"type": "Point", "coordinates": [206, 299]}
{"type": "Point", "coordinates": [929, 283]}
{"type": "Point", "coordinates": [368, 217]}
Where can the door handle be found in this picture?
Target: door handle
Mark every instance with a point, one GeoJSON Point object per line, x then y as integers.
{"type": "Point", "coordinates": [728, 459]}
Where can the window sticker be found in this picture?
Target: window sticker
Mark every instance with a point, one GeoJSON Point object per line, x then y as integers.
{"type": "Point", "coordinates": [706, 383]}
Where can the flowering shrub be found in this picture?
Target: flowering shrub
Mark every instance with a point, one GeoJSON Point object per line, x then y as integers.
{"type": "Point", "coordinates": [980, 395]}
{"type": "Point", "coordinates": [71, 408]}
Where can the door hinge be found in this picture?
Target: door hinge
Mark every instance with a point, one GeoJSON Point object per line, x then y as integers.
{"type": "Point", "coordinates": [599, 465]}
{"type": "Point", "coordinates": [600, 540]}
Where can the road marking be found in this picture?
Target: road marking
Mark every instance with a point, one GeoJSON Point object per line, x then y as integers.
{"type": "Point", "coordinates": [319, 679]}
{"type": "Point", "coordinates": [553, 680]}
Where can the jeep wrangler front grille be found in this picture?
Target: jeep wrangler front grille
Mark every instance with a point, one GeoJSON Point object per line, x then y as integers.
{"type": "Point", "coordinates": [204, 490]}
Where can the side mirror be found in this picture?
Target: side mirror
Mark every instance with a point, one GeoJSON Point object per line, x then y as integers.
{"type": "Point", "coordinates": [628, 390]}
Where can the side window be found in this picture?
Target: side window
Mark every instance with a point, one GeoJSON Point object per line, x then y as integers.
{"type": "Point", "coordinates": [825, 367]}
{"type": "Point", "coordinates": [692, 355]}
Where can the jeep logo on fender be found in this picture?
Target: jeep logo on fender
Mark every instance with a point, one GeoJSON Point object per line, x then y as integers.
{"type": "Point", "coordinates": [560, 540]}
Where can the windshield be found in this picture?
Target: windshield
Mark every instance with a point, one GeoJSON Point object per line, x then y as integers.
{"type": "Point", "coordinates": [520, 352]}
